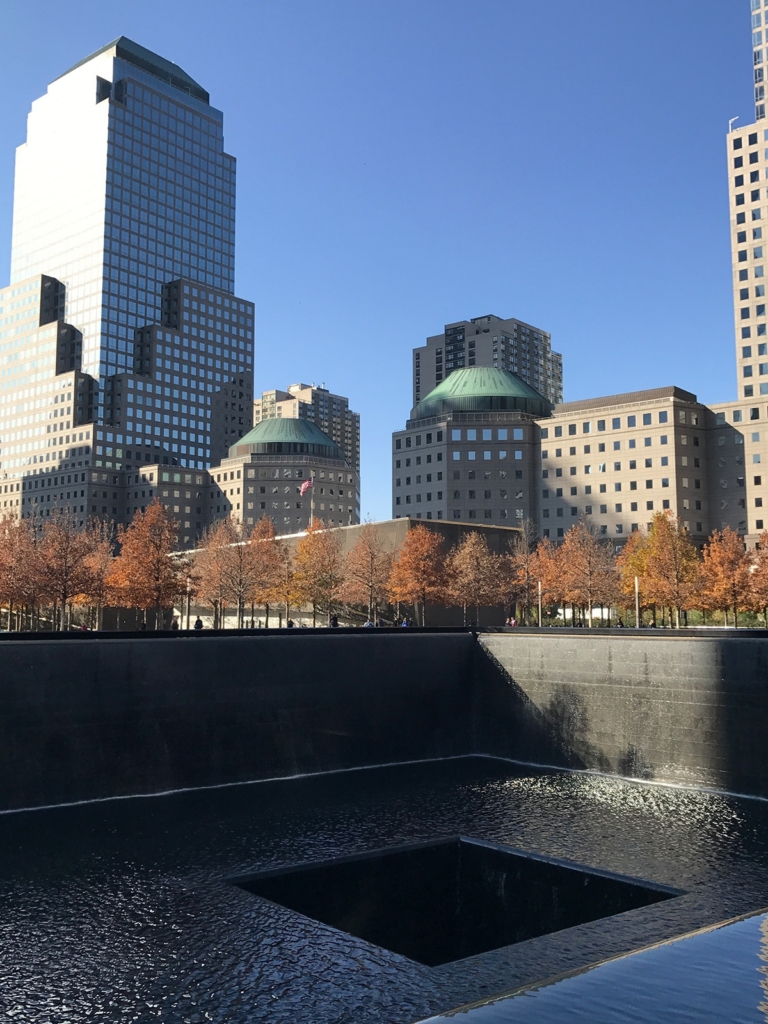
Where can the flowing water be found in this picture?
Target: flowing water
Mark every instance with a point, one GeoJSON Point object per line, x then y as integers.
{"type": "Point", "coordinates": [125, 910]}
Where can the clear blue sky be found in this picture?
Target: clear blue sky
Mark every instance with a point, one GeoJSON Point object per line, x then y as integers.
{"type": "Point", "coordinates": [403, 164]}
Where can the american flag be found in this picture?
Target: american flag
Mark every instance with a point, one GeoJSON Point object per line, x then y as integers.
{"type": "Point", "coordinates": [305, 487]}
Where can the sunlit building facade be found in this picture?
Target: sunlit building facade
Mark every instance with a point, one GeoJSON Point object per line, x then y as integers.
{"type": "Point", "coordinates": [121, 305]}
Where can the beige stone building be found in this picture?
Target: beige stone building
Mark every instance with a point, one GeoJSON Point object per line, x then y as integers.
{"type": "Point", "coordinates": [618, 460]}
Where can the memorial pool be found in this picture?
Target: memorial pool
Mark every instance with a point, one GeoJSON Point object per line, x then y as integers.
{"type": "Point", "coordinates": [127, 910]}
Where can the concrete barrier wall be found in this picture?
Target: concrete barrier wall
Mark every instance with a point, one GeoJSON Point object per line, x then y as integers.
{"type": "Point", "coordinates": [687, 709]}
{"type": "Point", "coordinates": [83, 719]}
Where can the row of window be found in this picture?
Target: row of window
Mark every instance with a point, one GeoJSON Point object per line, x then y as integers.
{"type": "Point", "coordinates": [438, 495]}
{"type": "Point", "coordinates": [487, 455]}
{"type": "Point", "coordinates": [472, 513]}
{"type": "Point", "coordinates": [502, 434]}
{"type": "Point", "coordinates": [633, 528]}
{"type": "Point", "coordinates": [616, 423]}
{"type": "Point", "coordinates": [418, 479]}
{"type": "Point", "coordinates": [418, 439]}
{"type": "Point", "coordinates": [617, 488]}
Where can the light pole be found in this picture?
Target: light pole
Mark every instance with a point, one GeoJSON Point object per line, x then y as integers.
{"type": "Point", "coordinates": [637, 603]}
{"type": "Point", "coordinates": [189, 588]}
{"type": "Point", "coordinates": [539, 604]}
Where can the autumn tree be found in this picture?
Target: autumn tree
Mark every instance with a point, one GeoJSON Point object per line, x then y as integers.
{"type": "Point", "coordinates": [211, 569]}
{"type": "Point", "coordinates": [672, 565]}
{"type": "Point", "coordinates": [266, 563]}
{"type": "Point", "coordinates": [631, 564]}
{"type": "Point", "coordinates": [20, 566]}
{"type": "Point", "coordinates": [98, 566]}
{"type": "Point", "coordinates": [64, 551]}
{"type": "Point", "coordinates": [547, 568]}
{"type": "Point", "coordinates": [725, 572]}
{"type": "Point", "coordinates": [758, 578]}
{"type": "Point", "coordinates": [319, 567]}
{"type": "Point", "coordinates": [418, 572]}
{"type": "Point", "coordinates": [144, 575]}
{"type": "Point", "coordinates": [286, 589]}
{"type": "Point", "coordinates": [367, 569]}
{"type": "Point", "coordinates": [588, 569]}
{"type": "Point", "coordinates": [519, 570]}
{"type": "Point", "coordinates": [240, 568]}
{"type": "Point", "coordinates": [472, 574]}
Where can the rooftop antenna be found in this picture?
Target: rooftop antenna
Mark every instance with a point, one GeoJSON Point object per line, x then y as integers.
{"type": "Point", "coordinates": [730, 124]}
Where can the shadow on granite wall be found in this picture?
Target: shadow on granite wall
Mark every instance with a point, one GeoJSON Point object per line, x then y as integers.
{"type": "Point", "coordinates": [684, 708]}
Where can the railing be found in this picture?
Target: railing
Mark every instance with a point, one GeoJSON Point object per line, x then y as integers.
{"type": "Point", "coordinates": [689, 633]}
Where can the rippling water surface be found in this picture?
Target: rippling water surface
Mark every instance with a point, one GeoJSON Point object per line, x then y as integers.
{"type": "Point", "coordinates": [123, 911]}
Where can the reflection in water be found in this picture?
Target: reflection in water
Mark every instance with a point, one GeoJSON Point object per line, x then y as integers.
{"type": "Point", "coordinates": [707, 978]}
{"type": "Point", "coordinates": [122, 911]}
{"type": "Point", "coordinates": [764, 970]}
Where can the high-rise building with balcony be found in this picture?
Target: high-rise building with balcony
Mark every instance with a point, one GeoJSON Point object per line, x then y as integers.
{"type": "Point", "coordinates": [122, 342]}
{"type": "Point", "coordinates": [492, 342]}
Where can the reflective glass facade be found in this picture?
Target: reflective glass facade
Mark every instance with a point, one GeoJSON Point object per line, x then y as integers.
{"type": "Point", "coordinates": [122, 343]}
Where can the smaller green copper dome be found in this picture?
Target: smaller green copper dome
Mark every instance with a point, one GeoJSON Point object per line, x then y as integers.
{"type": "Point", "coordinates": [285, 436]}
{"type": "Point", "coordinates": [478, 389]}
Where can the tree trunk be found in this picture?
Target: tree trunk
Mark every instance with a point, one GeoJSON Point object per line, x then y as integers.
{"type": "Point", "coordinates": [266, 615]}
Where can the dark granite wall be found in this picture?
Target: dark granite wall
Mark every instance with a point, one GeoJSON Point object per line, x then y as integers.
{"type": "Point", "coordinates": [91, 718]}
{"type": "Point", "coordinates": [686, 709]}
{"type": "Point", "coordinates": [88, 718]}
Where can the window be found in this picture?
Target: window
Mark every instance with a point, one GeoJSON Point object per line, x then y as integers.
{"type": "Point", "coordinates": [649, 484]}
{"type": "Point", "coordinates": [649, 506]}
{"type": "Point", "coordinates": [646, 419]}
{"type": "Point", "coordinates": [455, 435]}
{"type": "Point", "coordinates": [647, 442]}
{"type": "Point", "coordinates": [601, 424]}
{"type": "Point", "coordinates": [616, 423]}
{"type": "Point", "coordinates": [631, 421]}
{"type": "Point", "coordinates": [603, 510]}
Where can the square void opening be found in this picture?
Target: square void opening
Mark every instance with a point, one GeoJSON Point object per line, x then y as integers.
{"type": "Point", "coordinates": [443, 901]}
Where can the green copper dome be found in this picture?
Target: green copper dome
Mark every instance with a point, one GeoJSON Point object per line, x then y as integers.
{"type": "Point", "coordinates": [287, 437]}
{"type": "Point", "coordinates": [478, 389]}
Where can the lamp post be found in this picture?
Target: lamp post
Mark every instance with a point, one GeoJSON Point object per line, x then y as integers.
{"type": "Point", "coordinates": [539, 604]}
{"type": "Point", "coordinates": [189, 589]}
{"type": "Point", "coordinates": [637, 603]}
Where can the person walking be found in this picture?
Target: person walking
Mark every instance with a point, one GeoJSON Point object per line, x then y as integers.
{"type": "Point", "coordinates": [198, 623]}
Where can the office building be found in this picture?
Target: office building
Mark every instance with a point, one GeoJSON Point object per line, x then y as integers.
{"type": "Point", "coordinates": [492, 342]}
{"type": "Point", "coordinates": [329, 412]}
{"type": "Point", "coordinates": [266, 471]}
{"type": "Point", "coordinates": [122, 343]}
{"type": "Point", "coordinates": [470, 450]}
{"type": "Point", "coordinates": [617, 460]}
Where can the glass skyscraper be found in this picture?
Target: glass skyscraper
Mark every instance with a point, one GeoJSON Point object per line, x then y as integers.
{"type": "Point", "coordinates": [121, 306]}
